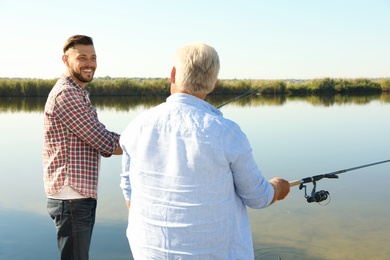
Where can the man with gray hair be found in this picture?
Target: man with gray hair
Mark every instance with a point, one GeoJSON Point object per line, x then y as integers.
{"type": "Point", "coordinates": [189, 173]}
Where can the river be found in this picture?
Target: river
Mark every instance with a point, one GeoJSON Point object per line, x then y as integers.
{"type": "Point", "coordinates": [291, 137]}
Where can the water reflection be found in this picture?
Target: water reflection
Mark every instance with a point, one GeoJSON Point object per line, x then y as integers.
{"type": "Point", "coordinates": [293, 137]}
{"type": "Point", "coordinates": [28, 235]}
{"type": "Point", "coordinates": [126, 103]}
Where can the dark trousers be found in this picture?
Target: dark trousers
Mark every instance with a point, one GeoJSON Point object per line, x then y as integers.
{"type": "Point", "coordinates": [74, 220]}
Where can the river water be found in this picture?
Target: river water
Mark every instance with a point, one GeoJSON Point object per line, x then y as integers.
{"type": "Point", "coordinates": [291, 137]}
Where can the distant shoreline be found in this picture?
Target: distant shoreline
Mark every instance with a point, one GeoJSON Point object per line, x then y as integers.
{"type": "Point", "coordinates": [26, 87]}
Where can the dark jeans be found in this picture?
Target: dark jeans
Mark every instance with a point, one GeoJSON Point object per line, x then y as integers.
{"type": "Point", "coordinates": [74, 220]}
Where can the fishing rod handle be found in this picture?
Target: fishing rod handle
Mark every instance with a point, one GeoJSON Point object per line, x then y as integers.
{"type": "Point", "coordinates": [294, 183]}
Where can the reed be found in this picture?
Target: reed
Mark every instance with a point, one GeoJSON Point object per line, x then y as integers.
{"type": "Point", "coordinates": [19, 87]}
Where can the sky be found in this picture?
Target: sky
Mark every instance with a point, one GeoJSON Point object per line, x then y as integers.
{"type": "Point", "coordinates": [255, 39]}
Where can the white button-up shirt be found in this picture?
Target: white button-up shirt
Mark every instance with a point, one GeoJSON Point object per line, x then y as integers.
{"type": "Point", "coordinates": [189, 174]}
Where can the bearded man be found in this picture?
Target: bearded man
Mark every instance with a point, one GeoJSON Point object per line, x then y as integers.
{"type": "Point", "coordinates": [74, 141]}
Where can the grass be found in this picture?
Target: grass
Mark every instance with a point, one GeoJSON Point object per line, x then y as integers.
{"type": "Point", "coordinates": [16, 87]}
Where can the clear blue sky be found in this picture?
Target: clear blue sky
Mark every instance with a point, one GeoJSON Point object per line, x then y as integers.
{"type": "Point", "coordinates": [273, 39]}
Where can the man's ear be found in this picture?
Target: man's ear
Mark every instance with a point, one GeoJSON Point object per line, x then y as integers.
{"type": "Point", "coordinates": [173, 75]}
{"type": "Point", "coordinates": [65, 59]}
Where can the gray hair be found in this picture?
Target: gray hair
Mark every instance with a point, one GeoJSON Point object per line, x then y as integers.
{"type": "Point", "coordinates": [197, 67]}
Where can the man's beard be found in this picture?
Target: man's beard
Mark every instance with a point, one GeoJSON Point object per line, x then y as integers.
{"type": "Point", "coordinates": [80, 77]}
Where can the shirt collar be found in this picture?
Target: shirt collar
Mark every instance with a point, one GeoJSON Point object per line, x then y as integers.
{"type": "Point", "coordinates": [192, 100]}
{"type": "Point", "coordinates": [75, 84]}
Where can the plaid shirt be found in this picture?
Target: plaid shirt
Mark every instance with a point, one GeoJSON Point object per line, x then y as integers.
{"type": "Point", "coordinates": [74, 139]}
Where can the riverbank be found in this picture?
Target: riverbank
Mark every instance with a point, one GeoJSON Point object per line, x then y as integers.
{"type": "Point", "coordinates": [13, 87]}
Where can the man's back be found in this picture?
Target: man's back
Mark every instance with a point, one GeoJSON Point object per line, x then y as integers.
{"type": "Point", "coordinates": [184, 199]}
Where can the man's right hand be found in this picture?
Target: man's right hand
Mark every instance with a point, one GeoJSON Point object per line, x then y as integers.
{"type": "Point", "coordinates": [281, 188]}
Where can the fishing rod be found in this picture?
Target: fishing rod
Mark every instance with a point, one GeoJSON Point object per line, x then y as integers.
{"type": "Point", "coordinates": [245, 95]}
{"type": "Point", "coordinates": [318, 196]}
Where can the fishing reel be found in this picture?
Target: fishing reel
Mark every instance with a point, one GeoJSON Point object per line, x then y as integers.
{"type": "Point", "coordinates": [322, 195]}
{"type": "Point", "coordinates": [315, 196]}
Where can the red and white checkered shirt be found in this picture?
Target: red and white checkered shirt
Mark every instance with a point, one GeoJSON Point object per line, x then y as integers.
{"type": "Point", "coordinates": [74, 139]}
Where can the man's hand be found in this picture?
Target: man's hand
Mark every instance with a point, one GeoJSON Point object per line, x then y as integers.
{"type": "Point", "coordinates": [281, 187]}
{"type": "Point", "coordinates": [118, 151]}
